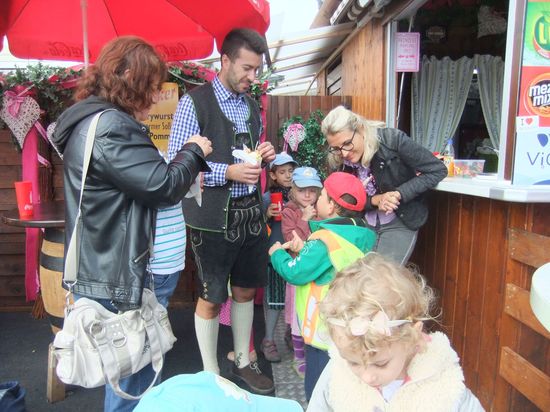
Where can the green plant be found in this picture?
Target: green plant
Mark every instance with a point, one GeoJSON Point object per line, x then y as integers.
{"type": "Point", "coordinates": [312, 151]}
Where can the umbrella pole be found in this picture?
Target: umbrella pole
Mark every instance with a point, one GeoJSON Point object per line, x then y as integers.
{"type": "Point", "coordinates": [84, 9]}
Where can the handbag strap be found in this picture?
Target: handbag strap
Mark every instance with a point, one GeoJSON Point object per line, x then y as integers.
{"type": "Point", "coordinates": [71, 258]}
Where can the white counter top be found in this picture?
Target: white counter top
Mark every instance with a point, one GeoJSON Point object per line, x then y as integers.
{"type": "Point", "coordinates": [492, 188]}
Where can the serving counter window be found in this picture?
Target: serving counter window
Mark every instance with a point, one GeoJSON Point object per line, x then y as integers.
{"type": "Point", "coordinates": [483, 83]}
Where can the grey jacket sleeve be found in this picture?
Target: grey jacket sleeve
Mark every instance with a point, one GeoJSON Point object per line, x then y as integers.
{"type": "Point", "coordinates": [430, 170]}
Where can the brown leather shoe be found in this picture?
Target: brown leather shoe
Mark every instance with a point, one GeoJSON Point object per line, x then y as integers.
{"type": "Point", "coordinates": [254, 378]}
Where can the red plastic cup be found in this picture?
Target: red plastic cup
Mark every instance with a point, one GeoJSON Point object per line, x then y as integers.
{"type": "Point", "coordinates": [277, 199]}
{"type": "Point", "coordinates": [23, 192]}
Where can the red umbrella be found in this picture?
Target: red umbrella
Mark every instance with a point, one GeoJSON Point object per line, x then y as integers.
{"type": "Point", "coordinates": [179, 29]}
{"type": "Point", "coordinates": [3, 21]}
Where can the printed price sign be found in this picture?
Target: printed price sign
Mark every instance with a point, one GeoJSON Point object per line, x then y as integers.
{"type": "Point", "coordinates": [161, 115]}
{"type": "Point", "coordinates": [407, 52]}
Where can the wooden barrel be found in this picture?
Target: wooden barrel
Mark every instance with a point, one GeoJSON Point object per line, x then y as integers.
{"type": "Point", "coordinates": [51, 276]}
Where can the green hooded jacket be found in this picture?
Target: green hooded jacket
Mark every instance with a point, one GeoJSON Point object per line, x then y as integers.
{"type": "Point", "coordinates": [333, 245]}
{"type": "Point", "coordinates": [313, 263]}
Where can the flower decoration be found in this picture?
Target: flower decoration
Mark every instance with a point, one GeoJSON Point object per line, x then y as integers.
{"type": "Point", "coordinates": [312, 149]}
{"type": "Point", "coordinates": [262, 85]}
{"type": "Point", "coordinates": [187, 73]}
{"type": "Point", "coordinates": [45, 85]}
{"type": "Point", "coordinates": [20, 112]}
{"type": "Point", "coordinates": [294, 134]}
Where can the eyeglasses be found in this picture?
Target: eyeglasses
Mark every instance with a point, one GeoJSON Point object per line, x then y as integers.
{"type": "Point", "coordinates": [347, 146]}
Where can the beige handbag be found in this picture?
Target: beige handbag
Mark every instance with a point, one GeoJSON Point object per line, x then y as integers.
{"type": "Point", "coordinates": [97, 346]}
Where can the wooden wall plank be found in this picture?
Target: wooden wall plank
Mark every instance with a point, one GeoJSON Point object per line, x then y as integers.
{"type": "Point", "coordinates": [12, 286]}
{"type": "Point", "coordinates": [516, 304]}
{"type": "Point", "coordinates": [12, 265]}
{"type": "Point", "coordinates": [465, 247]}
{"type": "Point", "coordinates": [366, 86]}
{"type": "Point", "coordinates": [530, 381]}
{"type": "Point", "coordinates": [8, 175]}
{"type": "Point", "coordinates": [11, 243]}
{"type": "Point", "coordinates": [293, 105]}
{"type": "Point", "coordinates": [327, 104]}
{"type": "Point", "coordinates": [305, 104]}
{"type": "Point", "coordinates": [451, 269]}
{"type": "Point", "coordinates": [439, 248]}
{"type": "Point", "coordinates": [477, 298]}
{"type": "Point", "coordinates": [541, 211]}
{"type": "Point", "coordinates": [282, 111]}
{"type": "Point", "coordinates": [518, 216]}
{"type": "Point", "coordinates": [529, 248]}
{"type": "Point", "coordinates": [15, 304]}
{"type": "Point", "coordinates": [9, 156]}
{"type": "Point", "coordinates": [271, 114]}
{"type": "Point", "coordinates": [7, 229]}
{"type": "Point", "coordinates": [495, 257]}
{"type": "Point", "coordinates": [427, 260]}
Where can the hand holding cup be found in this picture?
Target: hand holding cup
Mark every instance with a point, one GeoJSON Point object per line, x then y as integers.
{"type": "Point", "coordinates": [277, 199]}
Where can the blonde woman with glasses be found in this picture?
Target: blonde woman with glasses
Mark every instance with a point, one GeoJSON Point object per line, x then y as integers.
{"type": "Point", "coordinates": [395, 171]}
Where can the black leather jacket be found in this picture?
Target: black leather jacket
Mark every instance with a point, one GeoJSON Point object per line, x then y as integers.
{"type": "Point", "coordinates": [403, 165]}
{"type": "Point", "coordinates": [127, 181]}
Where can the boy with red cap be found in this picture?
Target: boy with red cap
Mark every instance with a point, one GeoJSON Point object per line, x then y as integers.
{"type": "Point", "coordinates": [336, 241]}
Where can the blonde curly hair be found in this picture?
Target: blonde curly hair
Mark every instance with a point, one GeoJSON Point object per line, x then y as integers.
{"type": "Point", "coordinates": [374, 284]}
{"type": "Point", "coordinates": [340, 119]}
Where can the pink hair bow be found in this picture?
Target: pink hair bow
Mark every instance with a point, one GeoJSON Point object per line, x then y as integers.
{"type": "Point", "coordinates": [379, 323]}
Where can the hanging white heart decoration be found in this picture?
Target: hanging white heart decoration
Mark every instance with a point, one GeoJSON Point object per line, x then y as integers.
{"type": "Point", "coordinates": [19, 114]}
{"type": "Point", "coordinates": [294, 134]}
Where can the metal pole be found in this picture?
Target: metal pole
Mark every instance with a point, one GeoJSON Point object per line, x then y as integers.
{"type": "Point", "coordinates": [84, 9]}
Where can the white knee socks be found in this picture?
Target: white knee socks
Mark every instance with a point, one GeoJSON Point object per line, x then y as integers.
{"type": "Point", "coordinates": [207, 336]}
{"type": "Point", "coordinates": [242, 315]}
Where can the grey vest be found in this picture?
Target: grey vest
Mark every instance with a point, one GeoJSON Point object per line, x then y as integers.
{"type": "Point", "coordinates": [221, 131]}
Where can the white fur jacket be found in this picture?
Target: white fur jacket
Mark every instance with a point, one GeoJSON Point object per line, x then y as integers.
{"type": "Point", "coordinates": [436, 385]}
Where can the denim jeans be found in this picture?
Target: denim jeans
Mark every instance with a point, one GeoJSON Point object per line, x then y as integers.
{"type": "Point", "coordinates": [395, 240]}
{"type": "Point", "coordinates": [134, 385]}
{"type": "Point", "coordinates": [316, 360]}
{"type": "Point", "coordinates": [164, 287]}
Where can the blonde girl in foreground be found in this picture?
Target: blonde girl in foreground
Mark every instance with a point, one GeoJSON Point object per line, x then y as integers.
{"type": "Point", "coordinates": [382, 360]}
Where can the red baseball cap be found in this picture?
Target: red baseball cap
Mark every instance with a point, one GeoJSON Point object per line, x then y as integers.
{"type": "Point", "coordinates": [341, 183]}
